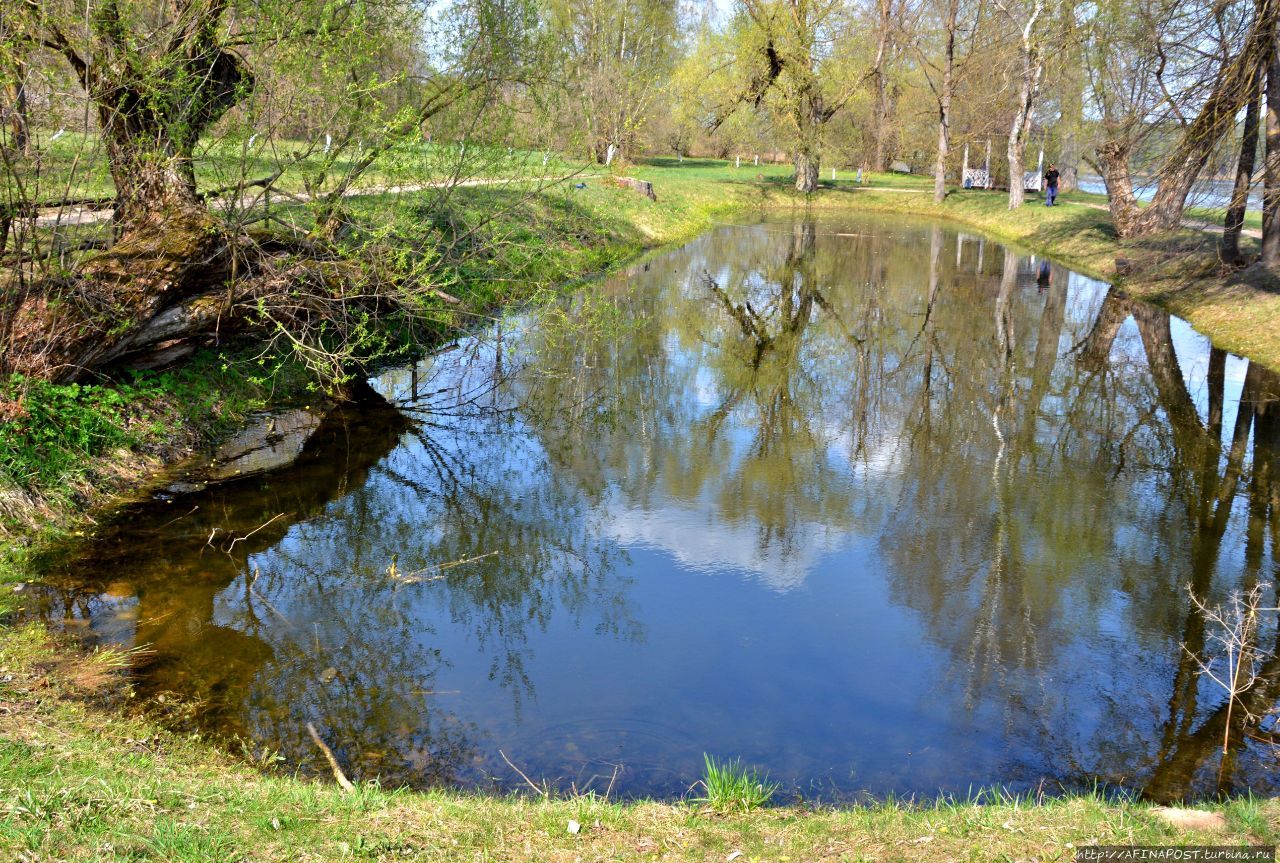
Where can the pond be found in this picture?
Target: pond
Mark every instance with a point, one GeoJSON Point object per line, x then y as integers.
{"type": "Point", "coordinates": [877, 506]}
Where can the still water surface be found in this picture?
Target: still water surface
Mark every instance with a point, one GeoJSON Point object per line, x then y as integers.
{"type": "Point", "coordinates": [876, 506]}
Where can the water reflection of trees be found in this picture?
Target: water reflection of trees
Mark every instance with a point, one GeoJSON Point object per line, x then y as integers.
{"type": "Point", "coordinates": [289, 615]}
{"type": "Point", "coordinates": [1040, 479]}
{"type": "Point", "coordinates": [1025, 445]}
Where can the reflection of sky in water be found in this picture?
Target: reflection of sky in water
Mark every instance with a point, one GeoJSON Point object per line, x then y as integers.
{"type": "Point", "coordinates": [703, 544]}
{"type": "Point", "coordinates": [813, 563]}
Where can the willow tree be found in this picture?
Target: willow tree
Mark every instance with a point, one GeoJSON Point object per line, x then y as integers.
{"type": "Point", "coordinates": [160, 77]}
{"type": "Point", "coordinates": [785, 56]}
{"type": "Point", "coordinates": [1157, 93]}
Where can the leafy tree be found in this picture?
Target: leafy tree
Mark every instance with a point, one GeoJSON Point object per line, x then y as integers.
{"type": "Point", "coordinates": [785, 56]}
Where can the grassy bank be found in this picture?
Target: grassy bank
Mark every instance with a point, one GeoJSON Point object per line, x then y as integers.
{"type": "Point", "coordinates": [79, 781]}
{"type": "Point", "coordinates": [65, 449]}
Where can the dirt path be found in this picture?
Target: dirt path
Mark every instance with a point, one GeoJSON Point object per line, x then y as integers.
{"type": "Point", "coordinates": [53, 218]}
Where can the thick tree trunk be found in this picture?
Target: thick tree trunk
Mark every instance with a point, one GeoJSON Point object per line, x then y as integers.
{"type": "Point", "coordinates": [944, 106]}
{"type": "Point", "coordinates": [806, 170]}
{"type": "Point", "coordinates": [809, 115]}
{"type": "Point", "coordinates": [1234, 221]}
{"type": "Point", "coordinates": [1113, 159]}
{"type": "Point", "coordinates": [1271, 176]}
{"type": "Point", "coordinates": [168, 244]}
{"type": "Point", "coordinates": [169, 248]}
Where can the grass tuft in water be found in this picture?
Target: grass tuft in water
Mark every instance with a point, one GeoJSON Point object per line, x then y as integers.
{"type": "Point", "coordinates": [732, 787]}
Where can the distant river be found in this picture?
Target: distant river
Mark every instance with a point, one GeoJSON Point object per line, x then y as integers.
{"type": "Point", "coordinates": [1207, 193]}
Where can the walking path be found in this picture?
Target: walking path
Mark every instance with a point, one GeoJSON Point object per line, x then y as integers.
{"type": "Point", "coordinates": [56, 217]}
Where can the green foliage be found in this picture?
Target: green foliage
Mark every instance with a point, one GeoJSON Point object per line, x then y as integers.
{"type": "Point", "coordinates": [732, 787]}
{"type": "Point", "coordinates": [56, 428]}
{"type": "Point", "coordinates": [58, 437]}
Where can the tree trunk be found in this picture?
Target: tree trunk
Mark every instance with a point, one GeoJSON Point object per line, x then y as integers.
{"type": "Point", "coordinates": [168, 244]}
{"type": "Point", "coordinates": [1069, 148]}
{"type": "Point", "coordinates": [17, 108]}
{"type": "Point", "coordinates": [944, 106]}
{"type": "Point", "coordinates": [1028, 94]}
{"type": "Point", "coordinates": [1113, 159]}
{"type": "Point", "coordinates": [806, 170]}
{"type": "Point", "coordinates": [169, 248]}
{"type": "Point", "coordinates": [884, 119]}
{"type": "Point", "coordinates": [1071, 120]}
{"type": "Point", "coordinates": [1271, 177]}
{"type": "Point", "coordinates": [1217, 117]}
{"type": "Point", "coordinates": [1234, 221]}
{"type": "Point", "coordinates": [884, 109]}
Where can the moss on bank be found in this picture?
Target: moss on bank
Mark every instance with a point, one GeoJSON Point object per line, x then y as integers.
{"type": "Point", "coordinates": [80, 782]}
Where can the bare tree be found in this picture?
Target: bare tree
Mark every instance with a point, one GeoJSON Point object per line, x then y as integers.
{"type": "Point", "coordinates": [946, 72]}
{"type": "Point", "coordinates": [1027, 19]}
{"type": "Point", "coordinates": [890, 15]}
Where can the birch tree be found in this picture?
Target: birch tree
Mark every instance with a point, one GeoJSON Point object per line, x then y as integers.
{"type": "Point", "coordinates": [1027, 17]}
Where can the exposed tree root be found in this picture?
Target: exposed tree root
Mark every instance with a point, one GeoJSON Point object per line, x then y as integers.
{"type": "Point", "coordinates": [180, 283]}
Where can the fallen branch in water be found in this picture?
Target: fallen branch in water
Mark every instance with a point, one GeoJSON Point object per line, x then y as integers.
{"type": "Point", "coordinates": [333, 762]}
{"type": "Point", "coordinates": [417, 577]}
{"type": "Point", "coordinates": [538, 790]}
{"type": "Point", "coordinates": [229, 548]}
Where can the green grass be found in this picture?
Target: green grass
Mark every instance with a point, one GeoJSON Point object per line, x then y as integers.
{"type": "Point", "coordinates": [74, 165]}
{"type": "Point", "coordinates": [64, 446]}
{"type": "Point", "coordinates": [724, 170]}
{"type": "Point", "coordinates": [731, 787]}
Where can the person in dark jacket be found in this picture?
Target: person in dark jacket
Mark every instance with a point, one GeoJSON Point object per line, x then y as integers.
{"type": "Point", "coordinates": [1050, 185]}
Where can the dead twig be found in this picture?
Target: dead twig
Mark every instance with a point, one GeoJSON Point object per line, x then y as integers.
{"type": "Point", "coordinates": [333, 762]}
{"type": "Point", "coordinates": [418, 577]}
{"type": "Point", "coordinates": [529, 781]}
